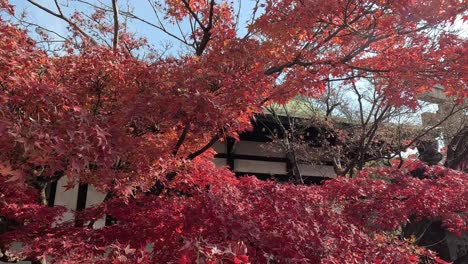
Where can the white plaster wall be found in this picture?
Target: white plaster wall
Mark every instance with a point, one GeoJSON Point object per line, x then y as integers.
{"type": "Point", "coordinates": [255, 166]}
{"type": "Point", "coordinates": [317, 170]}
{"type": "Point", "coordinates": [219, 162]}
{"type": "Point", "coordinates": [220, 147]}
{"type": "Point", "coordinates": [95, 197]}
{"type": "Point", "coordinates": [66, 198]}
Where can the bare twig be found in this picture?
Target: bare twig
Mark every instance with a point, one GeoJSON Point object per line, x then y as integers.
{"type": "Point", "coordinates": [64, 18]}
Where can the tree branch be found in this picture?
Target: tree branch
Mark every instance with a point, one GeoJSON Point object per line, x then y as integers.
{"type": "Point", "coordinates": [206, 31]}
{"type": "Point", "coordinates": [204, 148]}
{"type": "Point", "coordinates": [115, 11]}
{"type": "Point", "coordinates": [61, 16]}
{"type": "Point", "coordinates": [194, 15]}
{"type": "Point", "coordinates": [181, 139]}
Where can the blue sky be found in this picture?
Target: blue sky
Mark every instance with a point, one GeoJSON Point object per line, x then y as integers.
{"type": "Point", "coordinates": [144, 10]}
{"type": "Point", "coordinates": [141, 8]}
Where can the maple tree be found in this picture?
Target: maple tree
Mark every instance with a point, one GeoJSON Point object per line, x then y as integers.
{"type": "Point", "coordinates": [141, 130]}
{"type": "Point", "coordinates": [351, 125]}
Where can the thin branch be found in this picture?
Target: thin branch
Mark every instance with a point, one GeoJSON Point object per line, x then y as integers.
{"type": "Point", "coordinates": [194, 15]}
{"type": "Point", "coordinates": [204, 148]}
{"type": "Point", "coordinates": [361, 109]}
{"type": "Point", "coordinates": [163, 29]}
{"type": "Point", "coordinates": [181, 139]}
{"type": "Point", "coordinates": [58, 7]}
{"type": "Point", "coordinates": [130, 15]}
{"type": "Point", "coordinates": [252, 18]}
{"type": "Point", "coordinates": [61, 16]}
{"type": "Point", "coordinates": [115, 11]}
{"type": "Point", "coordinates": [238, 15]}
{"type": "Point", "coordinates": [27, 24]}
{"type": "Point", "coordinates": [206, 31]}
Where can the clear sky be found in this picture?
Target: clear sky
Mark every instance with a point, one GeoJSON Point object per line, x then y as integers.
{"type": "Point", "coordinates": [140, 7]}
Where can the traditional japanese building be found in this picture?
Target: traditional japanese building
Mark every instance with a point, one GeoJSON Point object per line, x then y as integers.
{"type": "Point", "coordinates": [257, 154]}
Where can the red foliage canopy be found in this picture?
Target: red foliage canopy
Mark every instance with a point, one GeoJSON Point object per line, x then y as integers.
{"type": "Point", "coordinates": [100, 116]}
